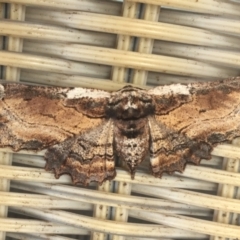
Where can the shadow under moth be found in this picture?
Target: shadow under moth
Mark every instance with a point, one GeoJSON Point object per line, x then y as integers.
{"type": "Point", "coordinates": [84, 130]}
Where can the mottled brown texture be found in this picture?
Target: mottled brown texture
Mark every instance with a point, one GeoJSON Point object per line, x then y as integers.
{"type": "Point", "coordinates": [87, 157]}
{"type": "Point", "coordinates": [188, 133]}
{"type": "Point", "coordinates": [131, 141]}
{"type": "Point", "coordinates": [35, 118]}
{"type": "Point", "coordinates": [84, 130]}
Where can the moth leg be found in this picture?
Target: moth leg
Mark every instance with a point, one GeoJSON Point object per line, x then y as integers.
{"type": "Point", "coordinates": [86, 158]}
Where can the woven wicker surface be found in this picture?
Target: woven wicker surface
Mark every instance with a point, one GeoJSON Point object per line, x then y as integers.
{"type": "Point", "coordinates": [104, 44]}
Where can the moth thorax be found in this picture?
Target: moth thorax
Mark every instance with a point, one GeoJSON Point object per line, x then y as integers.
{"type": "Point", "coordinates": [130, 105]}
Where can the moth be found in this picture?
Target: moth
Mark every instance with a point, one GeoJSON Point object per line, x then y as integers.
{"type": "Point", "coordinates": [85, 130]}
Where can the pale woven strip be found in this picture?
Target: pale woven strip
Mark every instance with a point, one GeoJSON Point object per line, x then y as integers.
{"type": "Point", "coordinates": [4, 183]}
{"type": "Point", "coordinates": [228, 191]}
{"type": "Point", "coordinates": [16, 12]}
{"type": "Point", "coordinates": [120, 74]}
{"type": "Point", "coordinates": [199, 6]}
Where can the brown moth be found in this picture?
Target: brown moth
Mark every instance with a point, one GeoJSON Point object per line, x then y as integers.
{"type": "Point", "coordinates": [84, 130]}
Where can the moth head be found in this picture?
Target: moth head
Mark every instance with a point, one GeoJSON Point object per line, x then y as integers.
{"type": "Point", "coordinates": [130, 103]}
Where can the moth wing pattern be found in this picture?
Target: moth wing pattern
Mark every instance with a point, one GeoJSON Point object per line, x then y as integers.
{"type": "Point", "coordinates": [194, 118]}
{"type": "Point", "coordinates": [86, 158]}
{"type": "Point", "coordinates": [35, 117]}
{"type": "Point", "coordinates": [83, 129]}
